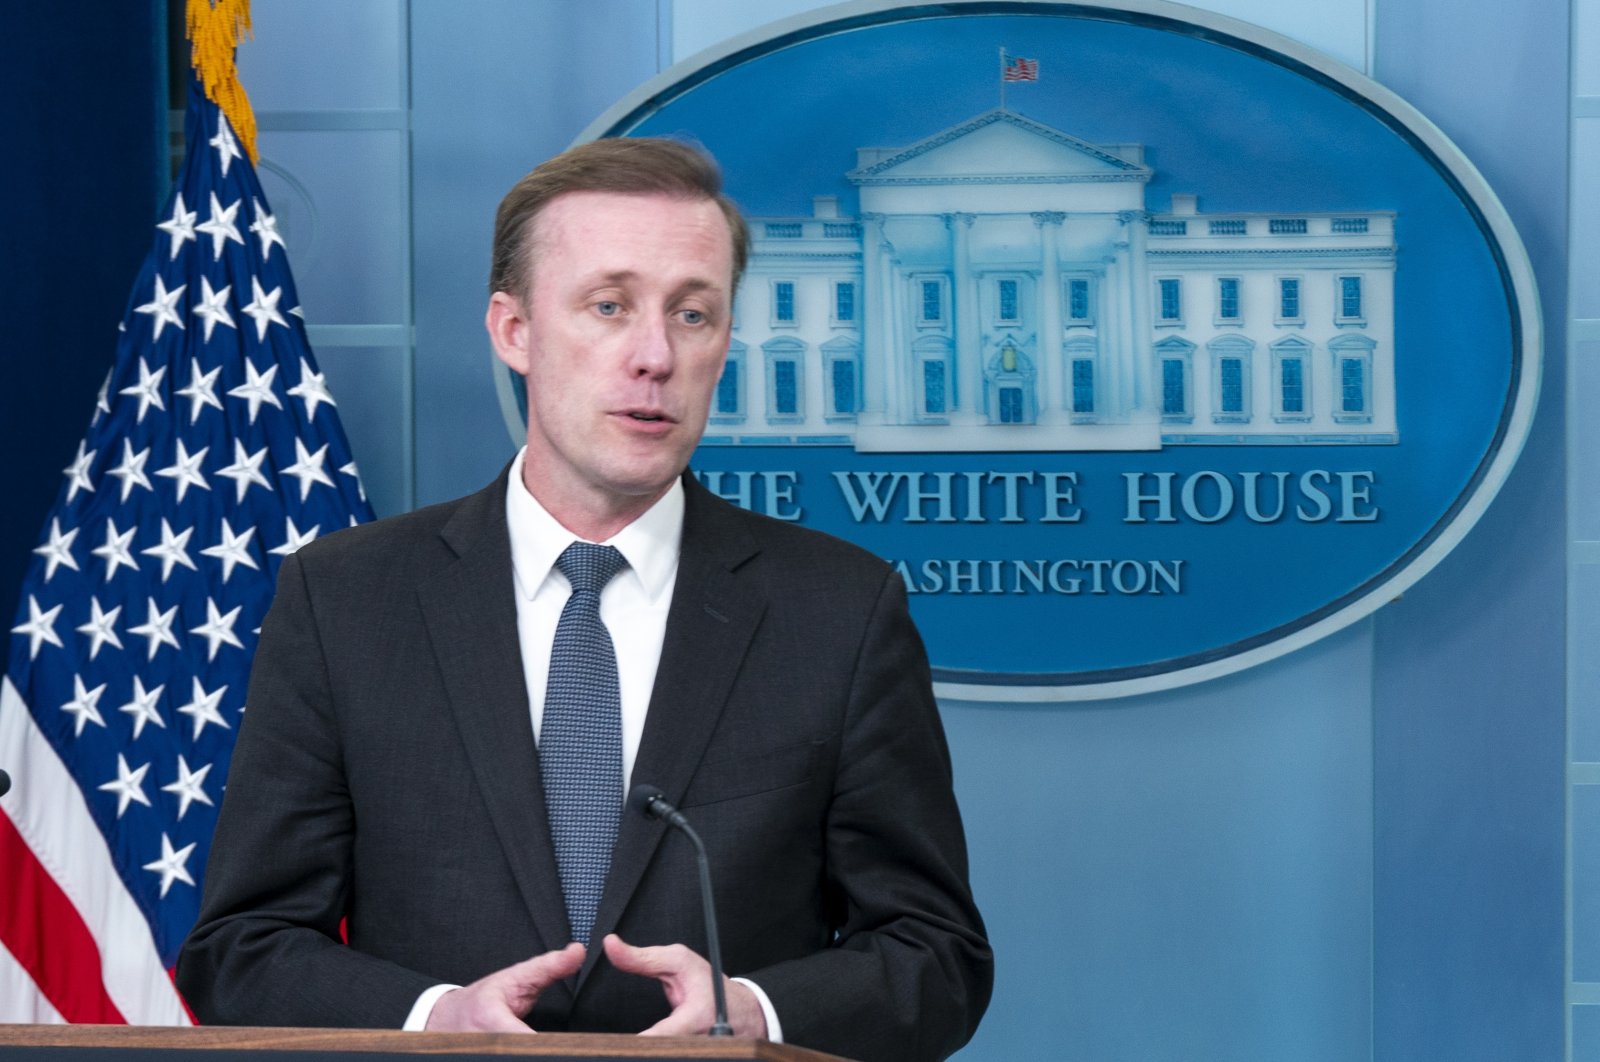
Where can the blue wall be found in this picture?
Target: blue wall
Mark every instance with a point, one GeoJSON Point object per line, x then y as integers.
{"type": "Point", "coordinates": [1352, 852]}
{"type": "Point", "coordinates": [1469, 685]}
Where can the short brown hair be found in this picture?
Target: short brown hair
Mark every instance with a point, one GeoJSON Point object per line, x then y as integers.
{"type": "Point", "coordinates": [624, 165]}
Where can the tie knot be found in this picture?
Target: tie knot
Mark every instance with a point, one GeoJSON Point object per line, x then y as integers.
{"type": "Point", "coordinates": [590, 567]}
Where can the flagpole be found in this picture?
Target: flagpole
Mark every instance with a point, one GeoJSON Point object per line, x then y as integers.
{"type": "Point", "coordinates": [1002, 77]}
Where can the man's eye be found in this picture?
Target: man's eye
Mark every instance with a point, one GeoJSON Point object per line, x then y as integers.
{"type": "Point", "coordinates": [693, 317]}
{"type": "Point", "coordinates": [608, 308]}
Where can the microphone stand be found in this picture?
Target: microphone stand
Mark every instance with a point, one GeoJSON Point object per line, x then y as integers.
{"type": "Point", "coordinates": [650, 800]}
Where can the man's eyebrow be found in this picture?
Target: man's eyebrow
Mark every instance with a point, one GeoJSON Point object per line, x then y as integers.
{"type": "Point", "coordinates": [622, 277]}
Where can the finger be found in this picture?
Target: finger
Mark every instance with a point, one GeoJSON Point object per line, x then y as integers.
{"type": "Point", "coordinates": [684, 1021]}
{"type": "Point", "coordinates": [520, 985]}
{"type": "Point", "coordinates": [473, 1009]}
{"type": "Point", "coordinates": [546, 969]}
{"type": "Point", "coordinates": [671, 961]}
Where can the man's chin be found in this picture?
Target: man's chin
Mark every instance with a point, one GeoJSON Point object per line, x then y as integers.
{"type": "Point", "coordinates": [634, 485]}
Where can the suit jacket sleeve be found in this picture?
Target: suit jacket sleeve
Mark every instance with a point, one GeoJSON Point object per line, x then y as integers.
{"type": "Point", "coordinates": [267, 941]}
{"type": "Point", "coordinates": [910, 971]}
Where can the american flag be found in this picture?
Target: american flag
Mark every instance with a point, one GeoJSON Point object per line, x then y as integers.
{"type": "Point", "coordinates": [1019, 69]}
{"type": "Point", "coordinates": [214, 451]}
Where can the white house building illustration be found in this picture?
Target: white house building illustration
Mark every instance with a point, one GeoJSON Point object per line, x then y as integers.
{"type": "Point", "coordinates": [1006, 284]}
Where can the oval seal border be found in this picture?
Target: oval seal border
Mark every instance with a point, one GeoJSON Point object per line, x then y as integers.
{"type": "Point", "coordinates": [1458, 173]}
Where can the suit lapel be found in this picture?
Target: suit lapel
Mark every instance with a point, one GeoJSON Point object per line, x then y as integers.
{"type": "Point", "coordinates": [471, 616]}
{"type": "Point", "coordinates": [709, 627]}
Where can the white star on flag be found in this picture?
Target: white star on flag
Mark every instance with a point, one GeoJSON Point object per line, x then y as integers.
{"type": "Point", "coordinates": [131, 471]}
{"type": "Point", "coordinates": [172, 866]}
{"type": "Point", "coordinates": [128, 785]}
{"type": "Point", "coordinates": [220, 226]}
{"type": "Point", "coordinates": [84, 706]}
{"type": "Point", "coordinates": [115, 552]}
{"type": "Point", "coordinates": [77, 473]}
{"type": "Point", "coordinates": [202, 389]}
{"type": "Point", "coordinates": [246, 469]}
{"type": "Point", "coordinates": [227, 147]}
{"type": "Point", "coordinates": [293, 539]}
{"type": "Point", "coordinates": [257, 388]}
{"type": "Point", "coordinates": [40, 627]}
{"type": "Point", "coordinates": [102, 401]}
{"type": "Point", "coordinates": [58, 550]}
{"type": "Point", "coordinates": [143, 707]}
{"type": "Point", "coordinates": [148, 389]}
{"type": "Point", "coordinates": [158, 628]}
{"type": "Point", "coordinates": [354, 473]}
{"type": "Point", "coordinates": [172, 550]}
{"type": "Point", "coordinates": [218, 629]}
{"type": "Point", "coordinates": [163, 307]}
{"type": "Point", "coordinates": [185, 470]}
{"type": "Point", "coordinates": [263, 308]}
{"type": "Point", "coordinates": [188, 787]}
{"type": "Point", "coordinates": [101, 628]}
{"type": "Point", "coordinates": [204, 708]}
{"type": "Point", "coordinates": [213, 307]}
{"type": "Point", "coordinates": [312, 389]}
{"type": "Point", "coordinates": [265, 227]}
{"type": "Point", "coordinates": [180, 226]}
{"type": "Point", "coordinates": [232, 550]}
{"type": "Point", "coordinates": [307, 468]}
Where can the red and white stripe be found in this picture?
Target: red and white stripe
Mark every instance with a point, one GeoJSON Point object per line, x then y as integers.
{"type": "Point", "coordinates": [74, 947]}
{"type": "Point", "coordinates": [1019, 69]}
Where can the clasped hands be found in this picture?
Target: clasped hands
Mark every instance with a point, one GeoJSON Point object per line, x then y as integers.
{"type": "Point", "coordinates": [499, 1001]}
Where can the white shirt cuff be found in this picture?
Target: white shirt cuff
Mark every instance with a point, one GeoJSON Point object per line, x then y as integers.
{"type": "Point", "coordinates": [417, 1020]}
{"type": "Point", "coordinates": [774, 1026]}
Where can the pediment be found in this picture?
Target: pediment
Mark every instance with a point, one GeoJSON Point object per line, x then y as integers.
{"type": "Point", "coordinates": [998, 147]}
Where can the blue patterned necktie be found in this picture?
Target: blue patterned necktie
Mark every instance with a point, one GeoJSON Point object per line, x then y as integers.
{"type": "Point", "coordinates": [580, 739]}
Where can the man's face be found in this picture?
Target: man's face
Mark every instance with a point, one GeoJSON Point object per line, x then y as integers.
{"type": "Point", "coordinates": [622, 338]}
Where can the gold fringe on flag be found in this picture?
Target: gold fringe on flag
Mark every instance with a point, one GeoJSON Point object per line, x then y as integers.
{"type": "Point", "coordinates": [215, 28]}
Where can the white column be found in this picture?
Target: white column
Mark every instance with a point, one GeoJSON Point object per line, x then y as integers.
{"type": "Point", "coordinates": [1118, 354]}
{"type": "Point", "coordinates": [897, 346]}
{"type": "Point", "coordinates": [877, 357]}
{"type": "Point", "coordinates": [967, 335]}
{"type": "Point", "coordinates": [1053, 406]}
{"type": "Point", "coordinates": [1143, 393]}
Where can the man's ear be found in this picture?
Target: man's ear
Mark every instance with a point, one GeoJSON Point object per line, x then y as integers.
{"type": "Point", "coordinates": [508, 331]}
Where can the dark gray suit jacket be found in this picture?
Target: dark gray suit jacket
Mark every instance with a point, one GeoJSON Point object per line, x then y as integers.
{"type": "Point", "coordinates": [386, 775]}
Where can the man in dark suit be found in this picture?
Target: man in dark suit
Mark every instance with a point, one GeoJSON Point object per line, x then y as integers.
{"type": "Point", "coordinates": [768, 679]}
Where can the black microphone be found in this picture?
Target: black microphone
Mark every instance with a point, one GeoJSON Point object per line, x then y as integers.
{"type": "Point", "coordinates": [652, 803]}
{"type": "Point", "coordinates": [5, 783]}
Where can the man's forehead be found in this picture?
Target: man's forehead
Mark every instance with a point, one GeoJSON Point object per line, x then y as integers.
{"type": "Point", "coordinates": [590, 208]}
{"type": "Point", "coordinates": [628, 235]}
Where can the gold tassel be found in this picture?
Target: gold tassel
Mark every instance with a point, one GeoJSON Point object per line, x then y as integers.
{"type": "Point", "coordinates": [215, 28]}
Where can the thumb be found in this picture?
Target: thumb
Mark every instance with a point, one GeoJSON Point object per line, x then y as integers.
{"type": "Point", "coordinates": [522, 982]}
{"type": "Point", "coordinates": [647, 962]}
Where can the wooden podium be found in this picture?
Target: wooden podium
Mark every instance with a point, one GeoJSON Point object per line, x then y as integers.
{"type": "Point", "coordinates": [134, 1043]}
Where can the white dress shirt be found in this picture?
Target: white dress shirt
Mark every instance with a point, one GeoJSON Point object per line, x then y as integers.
{"type": "Point", "coordinates": [633, 606]}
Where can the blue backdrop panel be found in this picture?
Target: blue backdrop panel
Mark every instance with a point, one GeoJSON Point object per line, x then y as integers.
{"type": "Point", "coordinates": [86, 113]}
{"type": "Point", "coordinates": [492, 97]}
{"type": "Point", "coordinates": [1178, 875]}
{"type": "Point", "coordinates": [1469, 688]}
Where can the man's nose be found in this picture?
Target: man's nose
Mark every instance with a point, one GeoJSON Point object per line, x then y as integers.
{"type": "Point", "coordinates": [651, 353]}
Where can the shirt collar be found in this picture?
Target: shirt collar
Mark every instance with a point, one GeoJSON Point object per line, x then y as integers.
{"type": "Point", "coordinates": [649, 544]}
